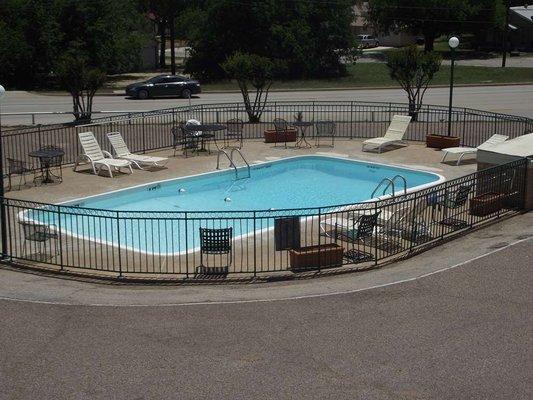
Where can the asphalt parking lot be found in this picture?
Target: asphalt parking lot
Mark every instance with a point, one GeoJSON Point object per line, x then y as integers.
{"type": "Point", "coordinates": [462, 333]}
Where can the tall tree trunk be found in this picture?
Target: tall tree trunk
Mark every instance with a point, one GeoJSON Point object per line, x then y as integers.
{"type": "Point", "coordinates": [172, 46]}
{"type": "Point", "coordinates": [429, 40]}
{"type": "Point", "coordinates": [163, 42]}
{"type": "Point", "coordinates": [413, 109]}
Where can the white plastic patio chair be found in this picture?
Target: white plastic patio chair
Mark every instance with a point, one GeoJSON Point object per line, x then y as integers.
{"type": "Point", "coordinates": [394, 134]}
{"type": "Point", "coordinates": [98, 158]}
{"type": "Point", "coordinates": [463, 151]}
{"type": "Point", "coordinates": [121, 150]}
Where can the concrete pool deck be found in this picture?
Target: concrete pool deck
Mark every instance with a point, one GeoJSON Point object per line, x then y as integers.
{"type": "Point", "coordinates": [84, 182]}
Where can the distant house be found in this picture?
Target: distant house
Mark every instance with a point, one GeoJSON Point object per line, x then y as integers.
{"type": "Point", "coordinates": [360, 25]}
{"type": "Point", "coordinates": [521, 28]}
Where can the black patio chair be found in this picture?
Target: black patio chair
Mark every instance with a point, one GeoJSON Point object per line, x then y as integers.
{"type": "Point", "coordinates": [234, 133]}
{"type": "Point", "coordinates": [53, 163]}
{"type": "Point", "coordinates": [38, 234]}
{"type": "Point", "coordinates": [18, 167]}
{"type": "Point", "coordinates": [281, 126]}
{"type": "Point", "coordinates": [452, 201]}
{"type": "Point", "coordinates": [362, 231]}
{"type": "Point", "coordinates": [325, 129]}
{"type": "Point", "coordinates": [217, 243]}
{"type": "Point", "coordinates": [182, 140]}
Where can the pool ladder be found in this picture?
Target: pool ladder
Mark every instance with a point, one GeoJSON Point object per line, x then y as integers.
{"type": "Point", "coordinates": [390, 183]}
{"type": "Point", "coordinates": [232, 162]}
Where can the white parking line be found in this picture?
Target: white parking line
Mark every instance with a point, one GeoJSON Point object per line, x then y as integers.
{"type": "Point", "coordinates": [303, 297]}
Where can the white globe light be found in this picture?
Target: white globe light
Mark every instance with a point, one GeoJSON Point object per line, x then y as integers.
{"type": "Point", "coordinates": [2, 91]}
{"type": "Point", "coordinates": [453, 42]}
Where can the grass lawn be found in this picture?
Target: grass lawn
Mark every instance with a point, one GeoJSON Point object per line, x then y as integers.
{"type": "Point", "coordinates": [376, 75]}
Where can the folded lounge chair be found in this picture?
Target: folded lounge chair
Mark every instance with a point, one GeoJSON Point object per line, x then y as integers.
{"type": "Point", "coordinates": [121, 151]}
{"type": "Point", "coordinates": [400, 220]}
{"type": "Point", "coordinates": [358, 232]}
{"type": "Point", "coordinates": [462, 151]}
{"type": "Point", "coordinates": [93, 153]}
{"type": "Point", "coordinates": [394, 134]}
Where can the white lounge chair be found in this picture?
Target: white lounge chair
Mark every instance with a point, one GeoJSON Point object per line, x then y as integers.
{"type": "Point", "coordinates": [463, 151]}
{"type": "Point", "coordinates": [93, 153]}
{"type": "Point", "coordinates": [394, 134]}
{"type": "Point", "coordinates": [121, 151]}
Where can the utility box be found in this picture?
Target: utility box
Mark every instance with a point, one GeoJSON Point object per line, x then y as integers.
{"type": "Point", "coordinates": [508, 151]}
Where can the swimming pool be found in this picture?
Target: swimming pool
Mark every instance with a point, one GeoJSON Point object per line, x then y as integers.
{"type": "Point", "coordinates": [164, 217]}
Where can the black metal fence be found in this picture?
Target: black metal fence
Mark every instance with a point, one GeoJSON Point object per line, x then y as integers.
{"type": "Point", "coordinates": [255, 244]}
{"type": "Point", "coordinates": [148, 131]}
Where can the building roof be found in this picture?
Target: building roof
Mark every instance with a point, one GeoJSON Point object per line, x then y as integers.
{"type": "Point", "coordinates": [521, 146]}
{"type": "Point", "coordinates": [525, 12]}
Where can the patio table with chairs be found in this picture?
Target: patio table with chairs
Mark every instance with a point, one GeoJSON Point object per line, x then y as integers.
{"type": "Point", "coordinates": [323, 129]}
{"type": "Point", "coordinates": [205, 133]}
{"type": "Point", "coordinates": [49, 157]}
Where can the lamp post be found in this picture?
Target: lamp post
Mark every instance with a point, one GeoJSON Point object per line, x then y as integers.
{"type": "Point", "coordinates": [3, 226]}
{"type": "Point", "coordinates": [453, 43]}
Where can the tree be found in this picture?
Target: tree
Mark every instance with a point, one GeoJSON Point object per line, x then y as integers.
{"type": "Point", "coordinates": [110, 34]}
{"type": "Point", "coordinates": [434, 18]}
{"type": "Point", "coordinates": [165, 12]}
{"type": "Point", "coordinates": [81, 81]}
{"type": "Point", "coordinates": [413, 69]}
{"type": "Point", "coordinates": [256, 71]}
{"type": "Point", "coordinates": [29, 41]}
{"type": "Point", "coordinates": [309, 35]}
{"type": "Point", "coordinates": [33, 34]}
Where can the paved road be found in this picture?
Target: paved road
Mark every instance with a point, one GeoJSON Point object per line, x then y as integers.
{"type": "Point", "coordinates": [506, 99]}
{"type": "Point", "coordinates": [460, 334]}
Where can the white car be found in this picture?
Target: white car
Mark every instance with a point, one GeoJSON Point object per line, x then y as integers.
{"type": "Point", "coordinates": [367, 41]}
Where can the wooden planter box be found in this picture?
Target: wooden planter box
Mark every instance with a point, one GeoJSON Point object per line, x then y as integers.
{"type": "Point", "coordinates": [442, 142]}
{"type": "Point", "coordinates": [314, 257]}
{"type": "Point", "coordinates": [271, 136]}
{"type": "Point", "coordinates": [512, 200]}
{"type": "Point", "coordinates": [486, 204]}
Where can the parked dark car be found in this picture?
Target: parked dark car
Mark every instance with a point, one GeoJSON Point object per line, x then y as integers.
{"type": "Point", "coordinates": [164, 86]}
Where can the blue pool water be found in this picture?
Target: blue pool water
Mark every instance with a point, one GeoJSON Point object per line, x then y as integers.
{"type": "Point", "coordinates": [299, 182]}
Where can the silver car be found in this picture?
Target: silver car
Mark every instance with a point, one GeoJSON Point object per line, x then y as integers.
{"type": "Point", "coordinates": [367, 41]}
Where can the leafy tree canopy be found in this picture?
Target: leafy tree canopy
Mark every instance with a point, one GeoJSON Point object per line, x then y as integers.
{"type": "Point", "coordinates": [35, 33]}
{"type": "Point", "coordinates": [81, 81]}
{"type": "Point", "coordinates": [256, 71]}
{"type": "Point", "coordinates": [310, 35]}
{"type": "Point", "coordinates": [413, 69]}
{"type": "Point", "coordinates": [434, 18]}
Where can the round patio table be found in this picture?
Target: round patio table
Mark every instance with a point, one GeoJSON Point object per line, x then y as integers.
{"type": "Point", "coordinates": [207, 132]}
{"type": "Point", "coordinates": [45, 157]}
{"type": "Point", "coordinates": [302, 126]}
